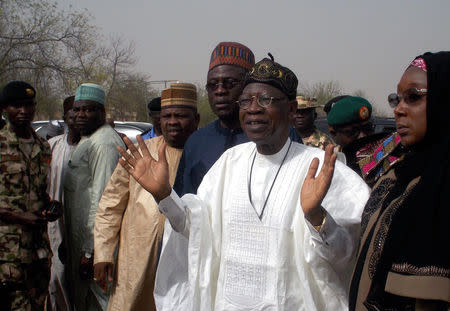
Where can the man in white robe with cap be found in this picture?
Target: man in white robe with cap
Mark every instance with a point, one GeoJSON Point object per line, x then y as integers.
{"type": "Point", "coordinates": [265, 231]}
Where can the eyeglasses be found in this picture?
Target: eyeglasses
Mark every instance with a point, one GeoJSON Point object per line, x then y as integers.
{"type": "Point", "coordinates": [367, 129]}
{"type": "Point", "coordinates": [410, 96]}
{"type": "Point", "coordinates": [227, 84]}
{"type": "Point", "coordinates": [262, 100]}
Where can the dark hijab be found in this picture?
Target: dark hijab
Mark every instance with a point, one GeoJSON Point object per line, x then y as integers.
{"type": "Point", "coordinates": [418, 234]}
{"type": "Point", "coordinates": [421, 229]}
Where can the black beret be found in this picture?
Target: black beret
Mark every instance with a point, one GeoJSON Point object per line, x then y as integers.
{"type": "Point", "coordinates": [154, 104]}
{"type": "Point", "coordinates": [16, 90]}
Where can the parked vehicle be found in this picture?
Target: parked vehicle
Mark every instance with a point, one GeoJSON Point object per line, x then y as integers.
{"type": "Point", "coordinates": [130, 129]}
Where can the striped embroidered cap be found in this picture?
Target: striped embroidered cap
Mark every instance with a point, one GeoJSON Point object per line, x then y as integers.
{"type": "Point", "coordinates": [179, 95]}
{"type": "Point", "coordinates": [232, 53]}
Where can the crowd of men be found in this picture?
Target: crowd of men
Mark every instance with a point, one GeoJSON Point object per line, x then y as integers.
{"type": "Point", "coordinates": [246, 213]}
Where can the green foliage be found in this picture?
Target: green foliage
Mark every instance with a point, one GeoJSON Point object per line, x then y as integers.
{"type": "Point", "coordinates": [57, 50]}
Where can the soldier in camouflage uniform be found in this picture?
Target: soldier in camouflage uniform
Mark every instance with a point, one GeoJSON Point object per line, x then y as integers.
{"type": "Point", "coordinates": [303, 122]}
{"type": "Point", "coordinates": [24, 204]}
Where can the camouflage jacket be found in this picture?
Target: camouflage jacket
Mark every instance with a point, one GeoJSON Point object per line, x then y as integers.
{"type": "Point", "coordinates": [23, 189]}
{"type": "Point", "coordinates": [317, 139]}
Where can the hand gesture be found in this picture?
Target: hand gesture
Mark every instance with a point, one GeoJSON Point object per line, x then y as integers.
{"type": "Point", "coordinates": [152, 175]}
{"type": "Point", "coordinates": [103, 273]}
{"type": "Point", "coordinates": [314, 188]}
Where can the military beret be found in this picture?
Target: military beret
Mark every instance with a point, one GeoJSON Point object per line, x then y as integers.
{"type": "Point", "coordinates": [331, 103]}
{"type": "Point", "coordinates": [16, 90]}
{"type": "Point", "coordinates": [154, 105]}
{"type": "Point", "coordinates": [350, 109]}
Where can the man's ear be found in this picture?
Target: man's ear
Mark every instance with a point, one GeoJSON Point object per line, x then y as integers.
{"type": "Point", "coordinates": [292, 107]}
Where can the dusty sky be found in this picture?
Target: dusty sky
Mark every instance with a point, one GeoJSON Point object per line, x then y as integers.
{"type": "Point", "coordinates": [364, 45]}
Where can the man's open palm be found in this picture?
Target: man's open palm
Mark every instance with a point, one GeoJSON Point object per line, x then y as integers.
{"type": "Point", "coordinates": [151, 174]}
{"type": "Point", "coordinates": [315, 188]}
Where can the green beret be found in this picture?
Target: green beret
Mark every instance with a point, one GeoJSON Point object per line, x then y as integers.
{"type": "Point", "coordinates": [90, 91]}
{"type": "Point", "coordinates": [16, 90]}
{"type": "Point", "coordinates": [269, 72]}
{"type": "Point", "coordinates": [350, 109]}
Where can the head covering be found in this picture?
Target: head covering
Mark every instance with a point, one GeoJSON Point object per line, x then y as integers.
{"type": "Point", "coordinates": [306, 102]}
{"type": "Point", "coordinates": [269, 72]}
{"type": "Point", "coordinates": [154, 105]}
{"type": "Point", "coordinates": [232, 53]}
{"type": "Point", "coordinates": [90, 91]}
{"type": "Point", "coordinates": [418, 235]}
{"type": "Point", "coordinates": [419, 62]}
{"type": "Point", "coordinates": [68, 103]}
{"type": "Point", "coordinates": [333, 101]}
{"type": "Point", "coordinates": [16, 90]}
{"type": "Point", "coordinates": [179, 95]}
{"type": "Point", "coordinates": [350, 109]}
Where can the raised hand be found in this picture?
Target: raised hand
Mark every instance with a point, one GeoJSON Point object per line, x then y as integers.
{"type": "Point", "coordinates": [152, 175]}
{"type": "Point", "coordinates": [314, 188]}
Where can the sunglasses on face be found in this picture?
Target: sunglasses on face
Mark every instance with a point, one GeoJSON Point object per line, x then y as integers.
{"type": "Point", "coordinates": [263, 101]}
{"type": "Point", "coordinates": [354, 131]}
{"type": "Point", "coordinates": [227, 84]}
{"type": "Point", "coordinates": [410, 96]}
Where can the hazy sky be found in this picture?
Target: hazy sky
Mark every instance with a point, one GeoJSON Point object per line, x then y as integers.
{"type": "Point", "coordinates": [362, 44]}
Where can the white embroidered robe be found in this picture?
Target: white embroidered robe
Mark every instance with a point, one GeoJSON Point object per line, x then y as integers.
{"type": "Point", "coordinates": [237, 261]}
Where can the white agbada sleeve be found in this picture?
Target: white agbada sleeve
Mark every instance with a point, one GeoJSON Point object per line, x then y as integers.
{"type": "Point", "coordinates": [189, 275]}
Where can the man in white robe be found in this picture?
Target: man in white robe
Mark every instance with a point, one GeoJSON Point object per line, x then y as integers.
{"type": "Point", "coordinates": [62, 147]}
{"type": "Point", "coordinates": [265, 232]}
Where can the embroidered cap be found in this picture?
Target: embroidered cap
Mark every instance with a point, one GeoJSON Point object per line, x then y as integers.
{"type": "Point", "coordinates": [232, 53]}
{"type": "Point", "coordinates": [90, 91]}
{"type": "Point", "coordinates": [179, 95]}
{"type": "Point", "coordinates": [269, 72]}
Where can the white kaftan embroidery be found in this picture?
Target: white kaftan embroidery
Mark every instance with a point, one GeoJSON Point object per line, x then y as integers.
{"type": "Point", "coordinates": [239, 262]}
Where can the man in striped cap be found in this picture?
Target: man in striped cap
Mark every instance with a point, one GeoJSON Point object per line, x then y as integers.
{"type": "Point", "coordinates": [128, 215]}
{"type": "Point", "coordinates": [229, 63]}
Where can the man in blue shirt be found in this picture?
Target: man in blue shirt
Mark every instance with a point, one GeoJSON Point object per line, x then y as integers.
{"type": "Point", "coordinates": [154, 111]}
{"type": "Point", "coordinates": [229, 63]}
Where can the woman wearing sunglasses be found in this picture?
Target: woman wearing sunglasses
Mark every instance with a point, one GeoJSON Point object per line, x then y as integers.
{"type": "Point", "coordinates": [403, 261]}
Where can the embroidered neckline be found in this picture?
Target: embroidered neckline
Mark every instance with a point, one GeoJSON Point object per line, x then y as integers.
{"type": "Point", "coordinates": [271, 186]}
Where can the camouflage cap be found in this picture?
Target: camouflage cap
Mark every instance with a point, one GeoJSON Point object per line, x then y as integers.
{"type": "Point", "coordinates": [306, 102]}
{"type": "Point", "coordinates": [348, 110]}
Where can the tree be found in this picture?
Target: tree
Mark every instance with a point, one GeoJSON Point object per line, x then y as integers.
{"type": "Point", "coordinates": [323, 91]}
{"type": "Point", "coordinates": [57, 50]}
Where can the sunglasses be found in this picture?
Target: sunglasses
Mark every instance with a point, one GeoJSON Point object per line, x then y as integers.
{"type": "Point", "coordinates": [410, 96]}
{"type": "Point", "coordinates": [227, 84]}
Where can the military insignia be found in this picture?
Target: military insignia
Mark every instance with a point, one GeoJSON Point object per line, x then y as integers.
{"type": "Point", "coordinates": [30, 92]}
{"type": "Point", "coordinates": [364, 113]}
